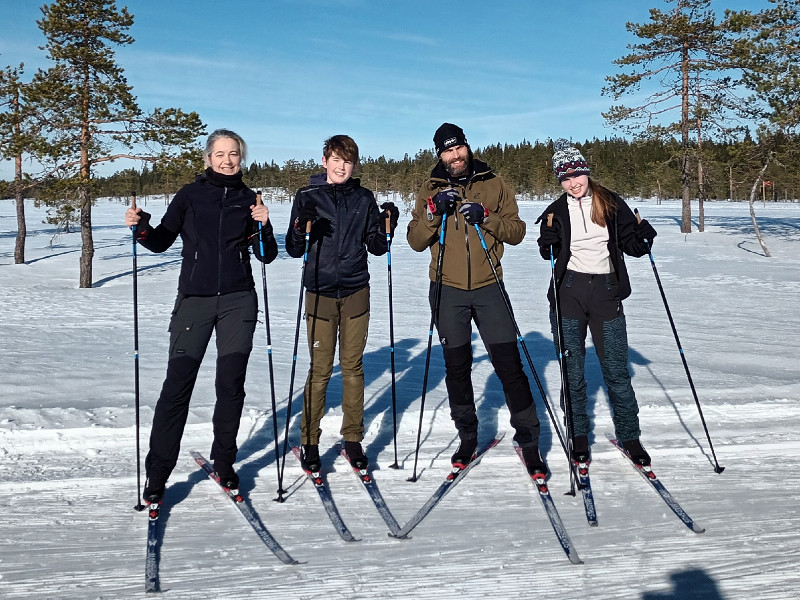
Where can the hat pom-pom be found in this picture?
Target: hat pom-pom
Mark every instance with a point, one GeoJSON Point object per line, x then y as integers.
{"type": "Point", "coordinates": [561, 144]}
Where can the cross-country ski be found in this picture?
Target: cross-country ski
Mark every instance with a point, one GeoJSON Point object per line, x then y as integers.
{"type": "Point", "coordinates": [452, 479]}
{"type": "Point", "coordinates": [661, 490]}
{"type": "Point", "coordinates": [247, 512]}
{"type": "Point", "coordinates": [326, 498]}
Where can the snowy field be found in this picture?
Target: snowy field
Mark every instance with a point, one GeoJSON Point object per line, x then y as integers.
{"type": "Point", "coordinates": [68, 461]}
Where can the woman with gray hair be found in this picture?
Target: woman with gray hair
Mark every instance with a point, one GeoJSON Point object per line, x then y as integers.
{"type": "Point", "coordinates": [218, 220]}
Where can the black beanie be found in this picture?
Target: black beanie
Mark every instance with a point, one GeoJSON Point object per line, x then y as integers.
{"type": "Point", "coordinates": [448, 135]}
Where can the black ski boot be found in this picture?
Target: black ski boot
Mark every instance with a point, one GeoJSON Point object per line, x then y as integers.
{"type": "Point", "coordinates": [153, 492]}
{"type": "Point", "coordinates": [533, 461]}
{"type": "Point", "coordinates": [634, 449]}
{"type": "Point", "coordinates": [309, 458]}
{"type": "Point", "coordinates": [356, 455]}
{"type": "Point", "coordinates": [580, 450]}
{"type": "Point", "coordinates": [465, 453]}
{"type": "Point", "coordinates": [227, 477]}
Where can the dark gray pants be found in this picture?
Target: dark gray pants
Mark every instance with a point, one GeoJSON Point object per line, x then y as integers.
{"type": "Point", "coordinates": [592, 301]}
{"type": "Point", "coordinates": [194, 319]}
{"type": "Point", "coordinates": [486, 306]}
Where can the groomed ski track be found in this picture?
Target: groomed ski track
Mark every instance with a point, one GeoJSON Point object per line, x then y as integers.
{"type": "Point", "coordinates": [67, 460]}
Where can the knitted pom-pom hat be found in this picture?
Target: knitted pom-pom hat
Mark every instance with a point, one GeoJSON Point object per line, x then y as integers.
{"type": "Point", "coordinates": [568, 160]}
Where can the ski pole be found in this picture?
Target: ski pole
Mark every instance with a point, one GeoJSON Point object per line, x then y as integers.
{"type": "Point", "coordinates": [294, 356]}
{"type": "Point", "coordinates": [521, 340]}
{"type": "Point", "coordinates": [717, 468]}
{"type": "Point", "coordinates": [437, 290]}
{"type": "Point", "coordinates": [139, 506]}
{"type": "Point", "coordinates": [269, 356]}
{"type": "Point", "coordinates": [391, 334]}
{"type": "Point", "coordinates": [562, 366]}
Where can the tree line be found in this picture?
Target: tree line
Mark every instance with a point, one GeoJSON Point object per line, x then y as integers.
{"type": "Point", "coordinates": [635, 169]}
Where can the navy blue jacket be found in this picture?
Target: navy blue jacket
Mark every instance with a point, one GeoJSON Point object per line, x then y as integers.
{"type": "Point", "coordinates": [212, 216]}
{"type": "Point", "coordinates": [622, 240]}
{"type": "Point", "coordinates": [346, 228]}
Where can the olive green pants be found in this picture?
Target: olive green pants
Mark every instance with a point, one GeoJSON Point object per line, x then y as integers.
{"type": "Point", "coordinates": [329, 319]}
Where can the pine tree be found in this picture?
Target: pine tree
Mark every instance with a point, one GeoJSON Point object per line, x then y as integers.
{"type": "Point", "coordinates": [89, 110]}
{"type": "Point", "coordinates": [686, 48]}
{"type": "Point", "coordinates": [16, 132]}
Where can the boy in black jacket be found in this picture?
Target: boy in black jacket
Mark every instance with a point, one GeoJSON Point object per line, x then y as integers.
{"type": "Point", "coordinates": [344, 223]}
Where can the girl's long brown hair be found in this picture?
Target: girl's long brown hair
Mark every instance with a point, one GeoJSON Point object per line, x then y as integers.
{"type": "Point", "coordinates": [603, 205]}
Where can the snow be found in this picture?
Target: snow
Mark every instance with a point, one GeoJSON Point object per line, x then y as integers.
{"type": "Point", "coordinates": [68, 457]}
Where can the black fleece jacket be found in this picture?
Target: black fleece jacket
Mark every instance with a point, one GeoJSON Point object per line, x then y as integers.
{"type": "Point", "coordinates": [212, 216]}
{"type": "Point", "coordinates": [622, 240]}
{"type": "Point", "coordinates": [346, 228]}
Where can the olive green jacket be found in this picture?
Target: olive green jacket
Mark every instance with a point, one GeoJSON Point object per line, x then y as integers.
{"type": "Point", "coordinates": [464, 263]}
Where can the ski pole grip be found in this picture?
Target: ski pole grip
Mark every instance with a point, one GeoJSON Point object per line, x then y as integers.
{"type": "Point", "coordinates": [308, 227]}
{"type": "Point", "coordinates": [638, 216]}
{"type": "Point", "coordinates": [550, 220]}
{"type": "Point", "coordinates": [258, 198]}
{"type": "Point", "coordinates": [388, 221]}
{"type": "Point", "coordinates": [133, 200]}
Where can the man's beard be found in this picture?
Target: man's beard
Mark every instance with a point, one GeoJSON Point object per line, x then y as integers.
{"type": "Point", "coordinates": [462, 169]}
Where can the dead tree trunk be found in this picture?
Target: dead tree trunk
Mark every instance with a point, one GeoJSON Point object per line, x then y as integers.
{"type": "Point", "coordinates": [753, 192]}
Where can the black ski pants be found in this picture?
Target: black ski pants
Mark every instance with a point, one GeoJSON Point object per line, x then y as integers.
{"type": "Point", "coordinates": [194, 318]}
{"type": "Point", "coordinates": [486, 307]}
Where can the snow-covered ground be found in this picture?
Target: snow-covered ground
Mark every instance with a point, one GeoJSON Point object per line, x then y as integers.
{"type": "Point", "coordinates": [68, 459]}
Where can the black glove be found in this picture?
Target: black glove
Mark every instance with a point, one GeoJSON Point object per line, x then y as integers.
{"type": "Point", "coordinates": [142, 226]}
{"type": "Point", "coordinates": [308, 212]}
{"type": "Point", "coordinates": [444, 202]}
{"type": "Point", "coordinates": [644, 231]}
{"type": "Point", "coordinates": [474, 212]}
{"type": "Point", "coordinates": [394, 214]}
{"type": "Point", "coordinates": [550, 238]}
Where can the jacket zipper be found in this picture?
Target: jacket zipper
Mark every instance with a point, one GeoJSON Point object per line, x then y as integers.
{"type": "Point", "coordinates": [469, 261]}
{"type": "Point", "coordinates": [219, 242]}
{"type": "Point", "coordinates": [580, 205]}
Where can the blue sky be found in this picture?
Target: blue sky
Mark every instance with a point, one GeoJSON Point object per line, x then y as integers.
{"type": "Point", "coordinates": [286, 74]}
